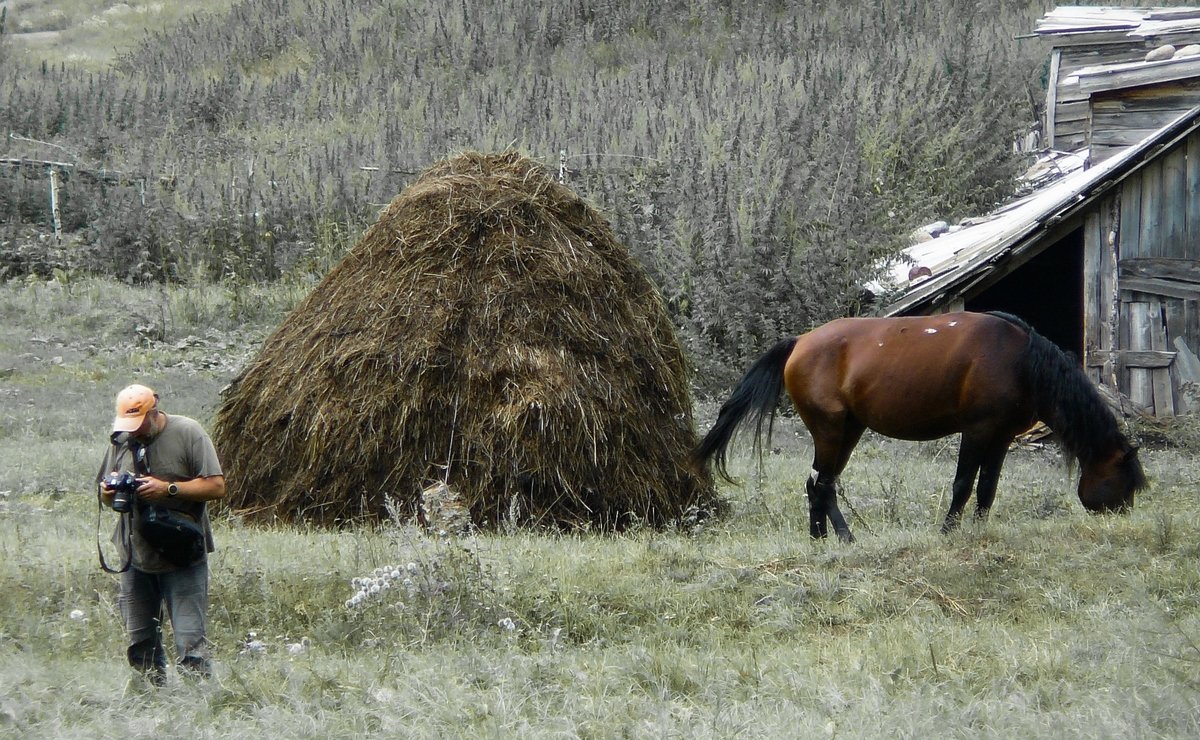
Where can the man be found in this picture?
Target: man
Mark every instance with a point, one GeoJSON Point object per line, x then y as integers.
{"type": "Point", "coordinates": [176, 467]}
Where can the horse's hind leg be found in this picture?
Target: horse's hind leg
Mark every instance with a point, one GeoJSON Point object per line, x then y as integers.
{"type": "Point", "coordinates": [831, 455]}
{"type": "Point", "coordinates": [816, 508]}
{"type": "Point", "coordinates": [977, 455]}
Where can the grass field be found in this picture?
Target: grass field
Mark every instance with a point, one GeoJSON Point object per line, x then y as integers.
{"type": "Point", "coordinates": [1044, 622]}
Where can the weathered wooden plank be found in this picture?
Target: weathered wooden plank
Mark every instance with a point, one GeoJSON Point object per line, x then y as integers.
{"type": "Point", "coordinates": [1155, 99]}
{"type": "Point", "coordinates": [1145, 359]}
{"type": "Point", "coordinates": [1128, 113]}
{"type": "Point", "coordinates": [1075, 58]}
{"type": "Point", "coordinates": [1071, 129]}
{"type": "Point", "coordinates": [1186, 361]}
{"type": "Point", "coordinates": [1073, 111]}
{"type": "Point", "coordinates": [1121, 137]}
{"type": "Point", "coordinates": [1151, 236]}
{"type": "Point", "coordinates": [1191, 333]}
{"type": "Point", "coordinates": [1129, 122]}
{"type": "Point", "coordinates": [1110, 299]}
{"type": "Point", "coordinates": [1093, 260]}
{"type": "Point", "coordinates": [1192, 193]}
{"type": "Point", "coordinates": [1175, 310]}
{"type": "Point", "coordinates": [1175, 205]}
{"type": "Point", "coordinates": [1133, 75]}
{"type": "Point", "coordinates": [1052, 97]}
{"type": "Point", "coordinates": [1131, 220]}
{"type": "Point", "coordinates": [1157, 287]}
{"type": "Point", "coordinates": [1163, 268]}
{"type": "Point", "coordinates": [1141, 382]}
{"type": "Point", "coordinates": [1100, 152]}
{"type": "Point", "coordinates": [1164, 391]}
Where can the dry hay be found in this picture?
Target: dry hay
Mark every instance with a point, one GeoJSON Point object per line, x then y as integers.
{"type": "Point", "coordinates": [488, 332]}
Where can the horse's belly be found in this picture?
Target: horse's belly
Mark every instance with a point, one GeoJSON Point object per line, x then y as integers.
{"type": "Point", "coordinates": [913, 429]}
{"type": "Point", "coordinates": [908, 413]}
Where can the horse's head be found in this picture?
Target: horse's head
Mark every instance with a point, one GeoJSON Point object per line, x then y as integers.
{"type": "Point", "coordinates": [1109, 482]}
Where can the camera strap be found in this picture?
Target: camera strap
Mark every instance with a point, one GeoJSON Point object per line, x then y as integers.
{"type": "Point", "coordinates": [128, 523]}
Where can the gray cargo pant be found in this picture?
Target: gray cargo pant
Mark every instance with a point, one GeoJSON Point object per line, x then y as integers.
{"type": "Point", "coordinates": [184, 593]}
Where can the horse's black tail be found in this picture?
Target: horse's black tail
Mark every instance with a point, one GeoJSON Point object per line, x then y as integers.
{"type": "Point", "coordinates": [757, 395]}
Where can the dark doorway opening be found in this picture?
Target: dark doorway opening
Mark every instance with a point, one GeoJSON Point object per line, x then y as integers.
{"type": "Point", "coordinates": [1046, 291]}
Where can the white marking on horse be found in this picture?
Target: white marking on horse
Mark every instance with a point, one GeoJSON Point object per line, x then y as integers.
{"type": "Point", "coordinates": [931, 331]}
{"type": "Point", "coordinates": [953, 323]}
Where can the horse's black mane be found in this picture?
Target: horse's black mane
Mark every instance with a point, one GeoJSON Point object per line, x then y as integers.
{"type": "Point", "coordinates": [1067, 400]}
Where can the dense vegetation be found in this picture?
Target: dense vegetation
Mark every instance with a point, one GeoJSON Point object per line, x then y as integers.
{"type": "Point", "coordinates": [757, 157]}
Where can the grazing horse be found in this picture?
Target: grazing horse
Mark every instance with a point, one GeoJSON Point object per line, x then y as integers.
{"type": "Point", "coordinates": [989, 376]}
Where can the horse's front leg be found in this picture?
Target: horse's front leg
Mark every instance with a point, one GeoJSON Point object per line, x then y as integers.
{"type": "Point", "coordinates": [969, 458]}
{"type": "Point", "coordinates": [989, 478]}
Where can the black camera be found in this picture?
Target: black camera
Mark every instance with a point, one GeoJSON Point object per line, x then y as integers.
{"type": "Point", "coordinates": [124, 486]}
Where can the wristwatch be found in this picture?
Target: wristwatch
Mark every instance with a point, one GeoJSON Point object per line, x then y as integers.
{"type": "Point", "coordinates": [172, 490]}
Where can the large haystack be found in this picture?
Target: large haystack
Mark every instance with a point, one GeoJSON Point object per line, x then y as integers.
{"type": "Point", "coordinates": [489, 332]}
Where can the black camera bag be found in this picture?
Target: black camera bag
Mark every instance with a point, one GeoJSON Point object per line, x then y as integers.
{"type": "Point", "coordinates": [172, 534]}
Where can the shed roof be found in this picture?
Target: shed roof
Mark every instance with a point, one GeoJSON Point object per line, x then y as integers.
{"type": "Point", "coordinates": [1089, 24]}
{"type": "Point", "coordinates": [961, 259]}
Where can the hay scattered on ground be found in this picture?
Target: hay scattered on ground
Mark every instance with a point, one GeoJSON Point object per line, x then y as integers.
{"type": "Point", "coordinates": [490, 332]}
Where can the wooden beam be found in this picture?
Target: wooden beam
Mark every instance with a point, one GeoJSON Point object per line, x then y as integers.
{"type": "Point", "coordinates": [1155, 286]}
{"type": "Point", "coordinates": [1051, 97]}
{"type": "Point", "coordinates": [1145, 359]}
{"type": "Point", "coordinates": [1138, 73]}
{"type": "Point", "coordinates": [1160, 268]}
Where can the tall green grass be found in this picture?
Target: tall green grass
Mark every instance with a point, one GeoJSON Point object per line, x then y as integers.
{"type": "Point", "coordinates": [1043, 622]}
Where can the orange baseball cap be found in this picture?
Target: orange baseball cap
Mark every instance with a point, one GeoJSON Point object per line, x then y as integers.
{"type": "Point", "coordinates": [133, 403]}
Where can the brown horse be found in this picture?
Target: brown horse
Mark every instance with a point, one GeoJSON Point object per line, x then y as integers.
{"type": "Point", "coordinates": [988, 376]}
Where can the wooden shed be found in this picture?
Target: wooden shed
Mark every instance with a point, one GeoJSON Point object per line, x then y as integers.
{"type": "Point", "coordinates": [1105, 262]}
{"type": "Point", "coordinates": [1116, 75]}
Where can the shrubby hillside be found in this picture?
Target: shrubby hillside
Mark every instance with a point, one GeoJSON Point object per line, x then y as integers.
{"type": "Point", "coordinates": [757, 157]}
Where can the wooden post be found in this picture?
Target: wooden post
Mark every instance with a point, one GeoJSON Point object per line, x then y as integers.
{"type": "Point", "coordinates": [55, 216]}
{"type": "Point", "coordinates": [1141, 382]}
{"type": "Point", "coordinates": [1052, 98]}
{"type": "Point", "coordinates": [1164, 395]}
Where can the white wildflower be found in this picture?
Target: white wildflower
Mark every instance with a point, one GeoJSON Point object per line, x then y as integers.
{"type": "Point", "coordinates": [78, 615]}
{"type": "Point", "coordinates": [298, 648]}
{"type": "Point", "coordinates": [506, 624]}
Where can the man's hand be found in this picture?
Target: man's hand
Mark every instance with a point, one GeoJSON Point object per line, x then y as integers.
{"type": "Point", "coordinates": [152, 489]}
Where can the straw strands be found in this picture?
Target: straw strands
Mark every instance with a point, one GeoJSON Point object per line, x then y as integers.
{"type": "Point", "coordinates": [490, 333]}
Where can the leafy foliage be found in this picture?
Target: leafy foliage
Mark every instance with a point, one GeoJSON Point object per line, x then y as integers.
{"type": "Point", "coordinates": [758, 158]}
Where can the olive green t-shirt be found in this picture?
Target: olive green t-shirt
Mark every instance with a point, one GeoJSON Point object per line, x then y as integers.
{"type": "Point", "coordinates": [181, 451]}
